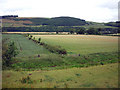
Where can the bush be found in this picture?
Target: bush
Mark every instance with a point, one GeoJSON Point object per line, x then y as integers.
{"type": "Point", "coordinates": [9, 50]}
{"type": "Point", "coordinates": [26, 80]}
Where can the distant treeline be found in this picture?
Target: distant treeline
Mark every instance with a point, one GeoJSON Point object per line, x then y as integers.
{"type": "Point", "coordinates": [70, 29]}
{"type": "Point", "coordinates": [114, 24]}
{"type": "Point", "coordinates": [7, 16]}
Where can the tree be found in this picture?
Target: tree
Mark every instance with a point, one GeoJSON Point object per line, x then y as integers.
{"type": "Point", "coordinates": [39, 39]}
{"type": "Point", "coordinates": [9, 50]}
{"type": "Point", "coordinates": [34, 38]}
{"type": "Point", "coordinates": [81, 30]}
{"type": "Point", "coordinates": [57, 32]}
{"type": "Point", "coordinates": [30, 37]}
{"type": "Point", "coordinates": [91, 31]}
{"type": "Point", "coordinates": [71, 32]}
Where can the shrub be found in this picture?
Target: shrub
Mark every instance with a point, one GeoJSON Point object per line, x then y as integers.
{"type": "Point", "coordinates": [26, 80]}
{"type": "Point", "coordinates": [9, 50]}
{"type": "Point", "coordinates": [39, 40]}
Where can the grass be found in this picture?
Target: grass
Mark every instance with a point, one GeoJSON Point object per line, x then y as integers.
{"type": "Point", "coordinates": [83, 44]}
{"type": "Point", "coordinates": [54, 62]}
{"type": "Point", "coordinates": [26, 47]}
{"type": "Point", "coordinates": [28, 59]}
{"type": "Point", "coordinates": [103, 76]}
{"type": "Point", "coordinates": [64, 71]}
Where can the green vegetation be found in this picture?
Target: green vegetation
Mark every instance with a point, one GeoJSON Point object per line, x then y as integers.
{"type": "Point", "coordinates": [36, 67]}
{"type": "Point", "coordinates": [65, 21]}
{"type": "Point", "coordinates": [103, 76]}
{"type": "Point", "coordinates": [57, 29]}
{"type": "Point", "coordinates": [58, 24]}
{"type": "Point", "coordinates": [33, 55]}
{"type": "Point", "coordinates": [82, 44]}
{"type": "Point", "coordinates": [57, 61]}
{"type": "Point", "coordinates": [52, 62]}
{"type": "Point", "coordinates": [9, 51]}
{"type": "Point", "coordinates": [27, 48]}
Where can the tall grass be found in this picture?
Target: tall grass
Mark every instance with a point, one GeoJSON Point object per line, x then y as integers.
{"type": "Point", "coordinates": [53, 61]}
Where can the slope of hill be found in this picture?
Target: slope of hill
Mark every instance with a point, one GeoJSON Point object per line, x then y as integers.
{"type": "Point", "coordinates": [57, 21]}
{"type": "Point", "coordinates": [65, 21]}
{"type": "Point", "coordinates": [35, 21]}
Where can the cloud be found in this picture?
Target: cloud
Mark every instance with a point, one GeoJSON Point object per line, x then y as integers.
{"type": "Point", "coordinates": [90, 10]}
{"type": "Point", "coordinates": [110, 4]}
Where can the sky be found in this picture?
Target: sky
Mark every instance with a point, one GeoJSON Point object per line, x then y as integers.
{"type": "Point", "coordinates": [89, 10]}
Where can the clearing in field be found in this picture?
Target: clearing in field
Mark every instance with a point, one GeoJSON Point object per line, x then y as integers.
{"type": "Point", "coordinates": [83, 44]}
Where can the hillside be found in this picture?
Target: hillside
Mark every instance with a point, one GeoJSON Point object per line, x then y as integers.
{"type": "Point", "coordinates": [57, 21]}
{"type": "Point", "coordinates": [56, 24]}
{"type": "Point", "coordinates": [65, 21]}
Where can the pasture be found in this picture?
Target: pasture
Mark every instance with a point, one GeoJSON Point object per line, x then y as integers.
{"type": "Point", "coordinates": [82, 44]}
{"type": "Point", "coordinates": [26, 47]}
{"type": "Point", "coordinates": [102, 76]}
{"type": "Point", "coordinates": [93, 50]}
{"type": "Point", "coordinates": [52, 70]}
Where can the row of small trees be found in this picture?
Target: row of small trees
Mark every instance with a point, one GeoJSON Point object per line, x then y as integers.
{"type": "Point", "coordinates": [53, 49]}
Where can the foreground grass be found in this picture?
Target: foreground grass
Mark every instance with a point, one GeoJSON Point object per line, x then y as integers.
{"type": "Point", "coordinates": [102, 76]}
{"type": "Point", "coordinates": [83, 44]}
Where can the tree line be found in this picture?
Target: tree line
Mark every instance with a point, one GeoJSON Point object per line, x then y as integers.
{"type": "Point", "coordinates": [51, 48]}
{"type": "Point", "coordinates": [70, 29]}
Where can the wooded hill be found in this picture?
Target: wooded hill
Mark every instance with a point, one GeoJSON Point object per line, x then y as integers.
{"type": "Point", "coordinates": [57, 21]}
{"type": "Point", "coordinates": [57, 24]}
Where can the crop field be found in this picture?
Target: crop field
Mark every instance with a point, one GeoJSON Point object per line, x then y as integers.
{"type": "Point", "coordinates": [26, 47]}
{"type": "Point", "coordinates": [103, 76]}
{"type": "Point", "coordinates": [82, 44]}
{"type": "Point", "coordinates": [34, 33]}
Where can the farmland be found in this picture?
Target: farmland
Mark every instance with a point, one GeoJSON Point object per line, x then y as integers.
{"type": "Point", "coordinates": [83, 44]}
{"type": "Point", "coordinates": [105, 76]}
{"type": "Point", "coordinates": [25, 46]}
{"type": "Point", "coordinates": [95, 67]}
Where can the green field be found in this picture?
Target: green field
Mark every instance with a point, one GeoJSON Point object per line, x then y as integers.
{"type": "Point", "coordinates": [104, 76]}
{"type": "Point", "coordinates": [26, 47]}
{"type": "Point", "coordinates": [98, 56]}
{"type": "Point", "coordinates": [93, 50]}
{"type": "Point", "coordinates": [83, 44]}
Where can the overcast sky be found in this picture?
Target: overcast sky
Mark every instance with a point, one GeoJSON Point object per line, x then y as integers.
{"type": "Point", "coordinates": [90, 10]}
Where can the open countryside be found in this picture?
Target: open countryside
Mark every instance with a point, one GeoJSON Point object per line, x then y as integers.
{"type": "Point", "coordinates": [83, 44]}
{"type": "Point", "coordinates": [61, 52]}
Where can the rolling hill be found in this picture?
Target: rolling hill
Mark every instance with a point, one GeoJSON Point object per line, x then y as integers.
{"type": "Point", "coordinates": [57, 21]}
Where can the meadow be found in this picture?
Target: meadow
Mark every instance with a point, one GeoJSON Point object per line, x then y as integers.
{"type": "Point", "coordinates": [102, 76]}
{"type": "Point", "coordinates": [82, 44]}
{"type": "Point", "coordinates": [95, 67]}
{"type": "Point", "coordinates": [26, 47]}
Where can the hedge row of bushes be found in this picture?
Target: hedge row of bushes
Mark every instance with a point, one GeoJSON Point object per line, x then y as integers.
{"type": "Point", "coordinates": [53, 49]}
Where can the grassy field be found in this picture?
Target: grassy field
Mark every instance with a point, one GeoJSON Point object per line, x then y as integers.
{"type": "Point", "coordinates": [94, 50]}
{"type": "Point", "coordinates": [26, 47]}
{"type": "Point", "coordinates": [52, 70]}
{"type": "Point", "coordinates": [103, 76]}
{"type": "Point", "coordinates": [83, 44]}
